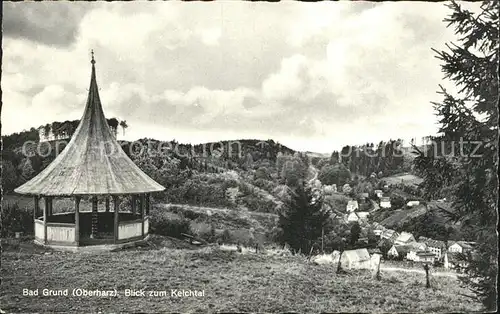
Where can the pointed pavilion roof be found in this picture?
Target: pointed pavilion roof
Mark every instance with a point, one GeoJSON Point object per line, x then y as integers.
{"type": "Point", "coordinates": [93, 162]}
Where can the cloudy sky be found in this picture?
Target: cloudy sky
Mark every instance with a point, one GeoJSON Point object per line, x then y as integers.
{"type": "Point", "coordinates": [313, 76]}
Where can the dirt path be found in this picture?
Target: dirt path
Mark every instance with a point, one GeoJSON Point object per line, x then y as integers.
{"type": "Point", "coordinates": [412, 270]}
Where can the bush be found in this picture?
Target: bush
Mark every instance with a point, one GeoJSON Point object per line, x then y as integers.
{"type": "Point", "coordinates": [275, 235]}
{"type": "Point", "coordinates": [258, 204]}
{"type": "Point", "coordinates": [161, 224]}
{"type": "Point", "coordinates": [224, 237]}
{"type": "Point", "coordinates": [15, 219]}
{"type": "Point", "coordinates": [208, 235]}
{"type": "Point", "coordinates": [266, 185]}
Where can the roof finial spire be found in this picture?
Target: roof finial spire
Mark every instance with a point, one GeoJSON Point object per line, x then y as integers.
{"type": "Point", "coordinates": [92, 52]}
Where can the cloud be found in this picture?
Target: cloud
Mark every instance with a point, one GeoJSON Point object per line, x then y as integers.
{"type": "Point", "coordinates": [317, 75]}
{"type": "Point", "coordinates": [41, 22]}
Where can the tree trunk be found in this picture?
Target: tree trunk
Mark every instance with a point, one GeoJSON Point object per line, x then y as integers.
{"type": "Point", "coordinates": [339, 266]}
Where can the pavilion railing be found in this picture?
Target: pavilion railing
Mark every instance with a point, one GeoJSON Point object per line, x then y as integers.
{"type": "Point", "coordinates": [61, 233]}
{"type": "Point", "coordinates": [130, 229]}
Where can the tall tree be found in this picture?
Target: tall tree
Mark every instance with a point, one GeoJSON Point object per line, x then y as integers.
{"type": "Point", "coordinates": [355, 233]}
{"type": "Point", "coordinates": [303, 219]}
{"type": "Point", "coordinates": [469, 125]}
{"type": "Point", "coordinates": [124, 125]}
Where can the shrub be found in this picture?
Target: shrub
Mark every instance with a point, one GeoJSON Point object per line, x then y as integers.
{"type": "Point", "coordinates": [258, 204]}
{"type": "Point", "coordinates": [163, 225]}
{"type": "Point", "coordinates": [208, 235]}
{"type": "Point", "coordinates": [275, 235]}
{"type": "Point", "coordinates": [15, 219]}
{"type": "Point", "coordinates": [224, 237]}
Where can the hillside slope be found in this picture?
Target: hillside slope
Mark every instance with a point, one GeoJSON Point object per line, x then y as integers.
{"type": "Point", "coordinates": [231, 282]}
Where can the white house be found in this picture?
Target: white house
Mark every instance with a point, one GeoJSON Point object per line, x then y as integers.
{"type": "Point", "coordinates": [378, 193]}
{"type": "Point", "coordinates": [398, 251]}
{"type": "Point", "coordinates": [385, 202]}
{"type": "Point", "coordinates": [329, 189]}
{"type": "Point", "coordinates": [461, 247]}
{"type": "Point", "coordinates": [412, 203]}
{"type": "Point", "coordinates": [363, 215]}
{"type": "Point", "coordinates": [352, 205]}
{"type": "Point", "coordinates": [425, 257]}
{"type": "Point", "coordinates": [389, 234]}
{"type": "Point", "coordinates": [352, 217]}
{"type": "Point", "coordinates": [415, 247]}
{"type": "Point", "coordinates": [434, 246]}
{"type": "Point", "coordinates": [356, 259]}
{"type": "Point", "coordinates": [405, 238]}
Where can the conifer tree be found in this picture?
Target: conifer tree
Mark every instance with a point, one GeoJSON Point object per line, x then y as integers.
{"type": "Point", "coordinates": [469, 125]}
{"type": "Point", "coordinates": [302, 219]}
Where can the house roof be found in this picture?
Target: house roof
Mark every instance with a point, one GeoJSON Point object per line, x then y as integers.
{"type": "Point", "coordinates": [432, 243]}
{"type": "Point", "coordinates": [352, 215]}
{"type": "Point", "coordinates": [374, 251]}
{"type": "Point", "coordinates": [356, 255]}
{"type": "Point", "coordinates": [93, 162]}
{"type": "Point", "coordinates": [405, 237]}
{"type": "Point", "coordinates": [402, 249]}
{"type": "Point", "coordinates": [425, 253]}
{"type": "Point", "coordinates": [363, 214]}
{"type": "Point", "coordinates": [352, 203]}
{"type": "Point", "coordinates": [466, 245]}
{"type": "Point", "coordinates": [385, 199]}
{"type": "Point", "coordinates": [389, 233]}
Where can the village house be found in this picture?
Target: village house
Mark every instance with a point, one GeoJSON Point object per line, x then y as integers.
{"type": "Point", "coordinates": [372, 251]}
{"type": "Point", "coordinates": [414, 248]}
{"type": "Point", "coordinates": [330, 189]}
{"type": "Point", "coordinates": [389, 234]}
{"type": "Point", "coordinates": [363, 215]}
{"type": "Point", "coordinates": [412, 203]}
{"type": "Point", "coordinates": [398, 251]}
{"type": "Point", "coordinates": [378, 232]}
{"type": "Point", "coordinates": [404, 238]}
{"type": "Point", "coordinates": [356, 259]}
{"type": "Point", "coordinates": [352, 205]}
{"type": "Point", "coordinates": [352, 217]}
{"type": "Point", "coordinates": [425, 257]}
{"type": "Point", "coordinates": [385, 202]}
{"type": "Point", "coordinates": [363, 197]}
{"type": "Point", "coordinates": [434, 246]}
{"type": "Point", "coordinates": [461, 247]}
{"type": "Point", "coordinates": [378, 193]}
{"type": "Point", "coordinates": [455, 261]}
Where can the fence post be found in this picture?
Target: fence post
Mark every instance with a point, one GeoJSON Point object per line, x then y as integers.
{"type": "Point", "coordinates": [427, 281]}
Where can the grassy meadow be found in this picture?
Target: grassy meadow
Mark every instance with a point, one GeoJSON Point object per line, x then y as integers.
{"type": "Point", "coordinates": [233, 282]}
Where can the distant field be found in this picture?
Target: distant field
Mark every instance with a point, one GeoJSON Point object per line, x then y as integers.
{"type": "Point", "coordinates": [408, 179]}
{"type": "Point", "coordinates": [232, 283]}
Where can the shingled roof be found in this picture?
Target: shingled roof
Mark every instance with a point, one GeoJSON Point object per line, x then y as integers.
{"type": "Point", "coordinates": [93, 162]}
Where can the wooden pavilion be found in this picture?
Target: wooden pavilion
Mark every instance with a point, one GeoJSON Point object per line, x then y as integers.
{"type": "Point", "coordinates": [92, 166]}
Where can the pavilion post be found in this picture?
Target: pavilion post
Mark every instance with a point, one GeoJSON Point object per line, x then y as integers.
{"type": "Point", "coordinates": [49, 205]}
{"type": "Point", "coordinates": [142, 202]}
{"type": "Point", "coordinates": [107, 204]}
{"type": "Point", "coordinates": [77, 220]}
{"type": "Point", "coordinates": [36, 208]}
{"type": "Point", "coordinates": [95, 218]}
{"type": "Point", "coordinates": [45, 210]}
{"type": "Point", "coordinates": [116, 205]}
{"type": "Point", "coordinates": [148, 203]}
{"type": "Point", "coordinates": [134, 204]}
